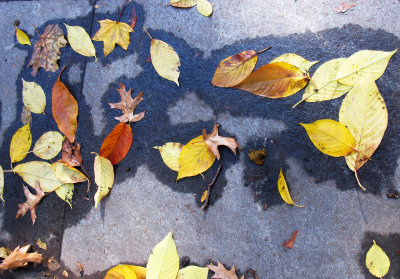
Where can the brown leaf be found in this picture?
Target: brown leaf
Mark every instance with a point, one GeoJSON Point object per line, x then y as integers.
{"type": "Point", "coordinates": [213, 140]}
{"type": "Point", "coordinates": [71, 153]}
{"type": "Point", "coordinates": [222, 273]}
{"type": "Point", "coordinates": [46, 51]}
{"type": "Point", "coordinates": [289, 243]}
{"type": "Point", "coordinates": [132, 21]}
{"type": "Point", "coordinates": [343, 7]}
{"type": "Point", "coordinates": [20, 257]}
{"type": "Point", "coordinates": [80, 268]}
{"type": "Point", "coordinates": [128, 105]}
{"type": "Point", "coordinates": [257, 156]}
{"type": "Point", "coordinates": [53, 264]}
{"type": "Point", "coordinates": [31, 202]}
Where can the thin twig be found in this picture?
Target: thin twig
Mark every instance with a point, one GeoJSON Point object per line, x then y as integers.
{"type": "Point", "coordinates": [205, 205]}
{"type": "Point", "coordinates": [253, 273]}
{"type": "Point", "coordinates": [258, 52]}
{"type": "Point", "coordinates": [120, 12]}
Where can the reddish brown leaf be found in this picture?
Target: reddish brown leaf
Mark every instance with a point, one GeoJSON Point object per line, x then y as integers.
{"type": "Point", "coordinates": [71, 153]}
{"type": "Point", "coordinates": [65, 109]}
{"type": "Point", "coordinates": [117, 144]}
{"type": "Point", "coordinates": [128, 105]}
{"type": "Point", "coordinates": [20, 257]}
{"type": "Point", "coordinates": [289, 243]}
{"type": "Point", "coordinates": [132, 21]}
{"type": "Point", "coordinates": [213, 140]}
{"type": "Point", "coordinates": [343, 7]}
{"type": "Point", "coordinates": [31, 202]}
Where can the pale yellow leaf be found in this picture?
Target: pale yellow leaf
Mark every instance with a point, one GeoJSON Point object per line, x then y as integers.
{"type": "Point", "coordinates": [67, 174]}
{"type": "Point", "coordinates": [20, 144]}
{"type": "Point", "coordinates": [362, 64]}
{"type": "Point", "coordinates": [103, 176]}
{"type": "Point", "coordinates": [41, 244]}
{"type": "Point", "coordinates": [1, 184]}
{"type": "Point", "coordinates": [296, 60]}
{"type": "Point", "coordinates": [124, 271]}
{"type": "Point", "coordinates": [195, 158]}
{"type": "Point", "coordinates": [193, 272]}
{"type": "Point", "coordinates": [33, 96]}
{"type": "Point", "coordinates": [331, 137]}
{"type": "Point", "coordinates": [284, 190]}
{"type": "Point", "coordinates": [170, 154]}
{"type": "Point", "coordinates": [183, 3]}
{"type": "Point", "coordinates": [204, 7]}
{"type": "Point", "coordinates": [377, 261]}
{"type": "Point", "coordinates": [22, 38]}
{"type": "Point", "coordinates": [4, 252]}
{"type": "Point", "coordinates": [48, 145]}
{"type": "Point", "coordinates": [65, 192]}
{"type": "Point", "coordinates": [165, 60]}
{"type": "Point", "coordinates": [38, 171]}
{"type": "Point", "coordinates": [164, 261]}
{"type": "Point", "coordinates": [80, 41]}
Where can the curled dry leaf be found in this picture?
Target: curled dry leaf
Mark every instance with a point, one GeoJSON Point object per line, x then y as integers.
{"type": "Point", "coordinates": [21, 143]}
{"type": "Point", "coordinates": [111, 33]}
{"type": "Point", "coordinates": [104, 177]}
{"type": "Point", "coordinates": [22, 38]}
{"type": "Point", "coordinates": [204, 7]}
{"type": "Point", "coordinates": [165, 60]}
{"type": "Point", "coordinates": [71, 153]}
{"type": "Point", "coordinates": [377, 261]}
{"type": "Point", "coordinates": [20, 258]}
{"type": "Point", "coordinates": [53, 264]}
{"type": "Point", "coordinates": [126, 271]}
{"type": "Point", "coordinates": [213, 140]}
{"type": "Point", "coordinates": [48, 145]}
{"type": "Point", "coordinates": [258, 156]}
{"type": "Point", "coordinates": [33, 96]}
{"type": "Point", "coordinates": [289, 243]}
{"type": "Point", "coordinates": [31, 202]}
{"type": "Point", "coordinates": [80, 41]}
{"type": "Point", "coordinates": [128, 105]}
{"type": "Point", "coordinates": [344, 6]}
{"type": "Point", "coordinates": [1, 183]}
{"type": "Point", "coordinates": [117, 144]}
{"type": "Point", "coordinates": [170, 153]}
{"type": "Point", "coordinates": [46, 51]}
{"type": "Point", "coordinates": [222, 273]}
{"type": "Point", "coordinates": [66, 192]}
{"type": "Point", "coordinates": [296, 60]}
{"type": "Point", "coordinates": [133, 19]}
{"type": "Point", "coordinates": [26, 116]}
{"type": "Point", "coordinates": [183, 3]}
{"type": "Point", "coordinates": [284, 190]}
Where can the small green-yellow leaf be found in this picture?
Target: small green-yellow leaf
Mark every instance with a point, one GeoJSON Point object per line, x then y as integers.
{"type": "Point", "coordinates": [67, 174]}
{"type": "Point", "coordinates": [41, 244]}
{"type": "Point", "coordinates": [195, 158]}
{"type": "Point", "coordinates": [4, 252]}
{"type": "Point", "coordinates": [103, 176]}
{"type": "Point", "coordinates": [48, 145]}
{"type": "Point", "coordinates": [165, 60]}
{"type": "Point", "coordinates": [377, 261]}
{"type": "Point", "coordinates": [38, 171]}
{"type": "Point", "coordinates": [193, 272]}
{"type": "Point", "coordinates": [80, 41]}
{"type": "Point", "coordinates": [20, 144]}
{"type": "Point", "coordinates": [164, 261]}
{"type": "Point", "coordinates": [22, 38]}
{"type": "Point", "coordinates": [124, 271]}
{"type": "Point", "coordinates": [183, 3]}
{"type": "Point", "coordinates": [33, 96]}
{"type": "Point", "coordinates": [362, 64]}
{"type": "Point", "coordinates": [284, 190]}
{"type": "Point", "coordinates": [296, 60]}
{"type": "Point", "coordinates": [1, 184]}
{"type": "Point", "coordinates": [331, 137]}
{"type": "Point", "coordinates": [65, 192]}
{"type": "Point", "coordinates": [170, 154]}
{"type": "Point", "coordinates": [204, 7]}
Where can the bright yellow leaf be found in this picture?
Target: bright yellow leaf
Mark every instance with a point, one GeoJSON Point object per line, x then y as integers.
{"type": "Point", "coordinates": [67, 174]}
{"type": "Point", "coordinates": [164, 261]}
{"type": "Point", "coordinates": [42, 245]}
{"type": "Point", "coordinates": [124, 271]}
{"type": "Point", "coordinates": [183, 3]}
{"type": "Point", "coordinates": [33, 96]}
{"type": "Point", "coordinates": [362, 64]}
{"type": "Point", "coordinates": [65, 192]}
{"type": "Point", "coordinates": [103, 176]}
{"type": "Point", "coordinates": [48, 145]}
{"type": "Point", "coordinates": [22, 38]}
{"type": "Point", "coordinates": [377, 261]}
{"type": "Point", "coordinates": [80, 41]}
{"type": "Point", "coordinates": [1, 184]}
{"type": "Point", "coordinates": [331, 137]}
{"type": "Point", "coordinates": [284, 190]}
{"type": "Point", "coordinates": [296, 60]}
{"type": "Point", "coordinates": [204, 7]}
{"type": "Point", "coordinates": [38, 171]}
{"type": "Point", "coordinates": [193, 272]}
{"type": "Point", "coordinates": [170, 154]}
{"type": "Point", "coordinates": [204, 196]}
{"type": "Point", "coordinates": [20, 144]}
{"type": "Point", "coordinates": [111, 33]}
{"type": "Point", "coordinates": [195, 158]}
{"type": "Point", "coordinates": [165, 60]}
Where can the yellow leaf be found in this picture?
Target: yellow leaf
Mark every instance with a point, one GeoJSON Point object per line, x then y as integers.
{"type": "Point", "coordinates": [284, 190]}
{"type": "Point", "coordinates": [275, 80]}
{"type": "Point", "coordinates": [111, 33]}
{"type": "Point", "coordinates": [165, 60]}
{"type": "Point", "coordinates": [22, 38]}
{"type": "Point", "coordinates": [183, 3]}
{"type": "Point", "coordinates": [164, 261]}
{"type": "Point", "coordinates": [204, 196]}
{"type": "Point", "coordinates": [1, 183]}
{"type": "Point", "coordinates": [296, 60]}
{"type": "Point", "coordinates": [4, 252]}
{"type": "Point", "coordinates": [170, 154]}
{"type": "Point", "coordinates": [364, 113]}
{"type": "Point", "coordinates": [377, 261]}
{"type": "Point", "coordinates": [21, 143]}
{"type": "Point", "coordinates": [48, 145]}
{"type": "Point", "coordinates": [80, 41]}
{"type": "Point", "coordinates": [41, 244]}
{"type": "Point", "coordinates": [65, 192]}
{"type": "Point", "coordinates": [193, 272]}
{"type": "Point", "coordinates": [33, 96]}
{"type": "Point", "coordinates": [124, 271]}
{"type": "Point", "coordinates": [195, 158]}
{"type": "Point", "coordinates": [67, 174]}
{"type": "Point", "coordinates": [38, 171]}
{"type": "Point", "coordinates": [103, 176]}
{"type": "Point", "coordinates": [331, 137]}
{"type": "Point", "coordinates": [362, 64]}
{"type": "Point", "coordinates": [204, 7]}
{"type": "Point", "coordinates": [327, 86]}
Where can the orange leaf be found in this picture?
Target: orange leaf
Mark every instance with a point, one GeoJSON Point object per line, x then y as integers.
{"type": "Point", "coordinates": [31, 202]}
{"type": "Point", "coordinates": [65, 109]}
{"type": "Point", "coordinates": [117, 144]}
{"type": "Point", "coordinates": [20, 257]}
{"type": "Point", "coordinates": [213, 140]}
{"type": "Point", "coordinates": [289, 243]}
{"type": "Point", "coordinates": [275, 80]}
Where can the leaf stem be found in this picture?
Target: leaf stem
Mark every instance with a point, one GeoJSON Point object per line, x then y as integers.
{"type": "Point", "coordinates": [62, 70]}
{"type": "Point", "coordinates": [265, 49]}
{"type": "Point", "coordinates": [205, 205]}
{"type": "Point", "coordinates": [120, 11]}
{"type": "Point", "coordinates": [37, 30]}
{"type": "Point", "coordinates": [147, 33]}
{"type": "Point", "coordinates": [358, 181]}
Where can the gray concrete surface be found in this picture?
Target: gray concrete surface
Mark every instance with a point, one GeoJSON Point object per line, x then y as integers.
{"type": "Point", "coordinates": [339, 221]}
